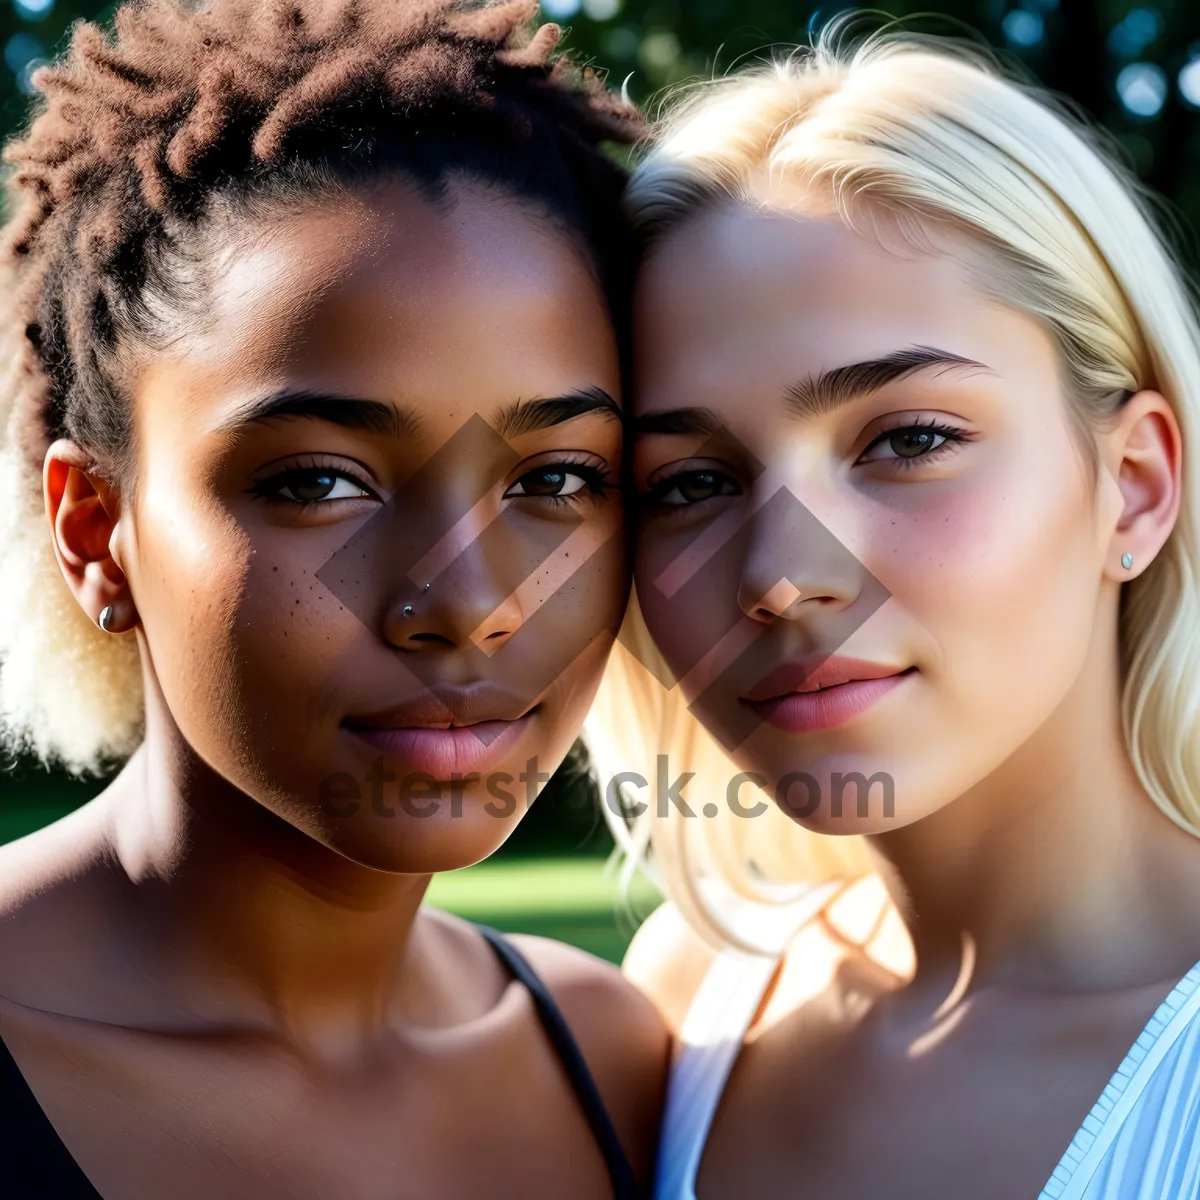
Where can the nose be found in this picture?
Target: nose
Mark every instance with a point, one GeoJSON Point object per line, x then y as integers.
{"type": "Point", "coordinates": [469, 613]}
{"type": "Point", "coordinates": [462, 593]}
{"type": "Point", "coordinates": [794, 564]}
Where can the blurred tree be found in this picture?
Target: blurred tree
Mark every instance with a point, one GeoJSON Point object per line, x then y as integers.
{"type": "Point", "coordinates": [1134, 66]}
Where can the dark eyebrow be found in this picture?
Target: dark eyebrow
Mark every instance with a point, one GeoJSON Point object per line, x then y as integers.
{"type": "Point", "coordinates": [529, 416]}
{"type": "Point", "coordinates": [680, 421]}
{"type": "Point", "coordinates": [351, 412]}
{"type": "Point", "coordinates": [817, 395]}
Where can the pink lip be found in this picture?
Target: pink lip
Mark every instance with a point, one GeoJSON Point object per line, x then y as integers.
{"type": "Point", "coordinates": [826, 706]}
{"type": "Point", "coordinates": [445, 753]}
{"type": "Point", "coordinates": [817, 671]}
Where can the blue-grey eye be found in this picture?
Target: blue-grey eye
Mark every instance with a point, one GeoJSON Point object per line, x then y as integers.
{"type": "Point", "coordinates": [693, 487]}
{"type": "Point", "coordinates": [912, 443]}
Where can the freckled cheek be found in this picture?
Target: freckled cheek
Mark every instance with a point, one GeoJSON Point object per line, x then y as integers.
{"type": "Point", "coordinates": [190, 566]}
{"type": "Point", "coordinates": [294, 649]}
{"type": "Point", "coordinates": [230, 620]}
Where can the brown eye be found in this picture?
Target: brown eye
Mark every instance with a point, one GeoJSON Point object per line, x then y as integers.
{"type": "Point", "coordinates": [312, 488]}
{"type": "Point", "coordinates": [556, 482]}
{"type": "Point", "coordinates": [311, 485]}
{"type": "Point", "coordinates": [548, 483]}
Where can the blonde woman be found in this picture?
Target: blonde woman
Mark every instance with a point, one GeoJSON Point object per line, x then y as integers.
{"type": "Point", "coordinates": [917, 408]}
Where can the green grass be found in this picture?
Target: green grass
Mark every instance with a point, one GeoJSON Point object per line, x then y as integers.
{"type": "Point", "coordinates": [17, 817]}
{"type": "Point", "coordinates": [576, 900]}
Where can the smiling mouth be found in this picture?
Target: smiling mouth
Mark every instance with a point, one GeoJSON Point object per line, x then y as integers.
{"type": "Point", "coordinates": [447, 707]}
{"type": "Point", "coordinates": [813, 687]}
{"type": "Point", "coordinates": [445, 750]}
{"type": "Point", "coordinates": [386, 724]}
{"type": "Point", "coordinates": [828, 698]}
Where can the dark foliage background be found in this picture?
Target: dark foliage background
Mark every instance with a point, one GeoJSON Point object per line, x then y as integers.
{"type": "Point", "coordinates": [1134, 67]}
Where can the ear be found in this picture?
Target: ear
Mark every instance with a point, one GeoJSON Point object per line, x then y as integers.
{"type": "Point", "coordinates": [1145, 453]}
{"type": "Point", "coordinates": [84, 512]}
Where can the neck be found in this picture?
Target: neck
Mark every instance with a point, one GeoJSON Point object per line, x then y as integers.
{"type": "Point", "coordinates": [249, 921]}
{"type": "Point", "coordinates": [1057, 872]}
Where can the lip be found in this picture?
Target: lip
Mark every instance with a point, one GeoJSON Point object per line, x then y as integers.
{"type": "Point", "coordinates": [445, 753]}
{"type": "Point", "coordinates": [446, 731]}
{"type": "Point", "coordinates": [817, 694]}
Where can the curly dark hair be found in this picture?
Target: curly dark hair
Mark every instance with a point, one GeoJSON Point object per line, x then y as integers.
{"type": "Point", "coordinates": [147, 134]}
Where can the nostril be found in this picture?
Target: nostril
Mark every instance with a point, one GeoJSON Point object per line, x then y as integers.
{"type": "Point", "coordinates": [436, 638]}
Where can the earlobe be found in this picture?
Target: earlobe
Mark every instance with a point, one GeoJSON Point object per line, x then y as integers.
{"type": "Point", "coordinates": [83, 513]}
{"type": "Point", "coordinates": [1149, 476]}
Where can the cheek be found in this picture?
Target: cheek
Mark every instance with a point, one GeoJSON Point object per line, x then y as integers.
{"type": "Point", "coordinates": [1000, 569]}
{"type": "Point", "coordinates": [570, 697]}
{"type": "Point", "coordinates": [192, 563]}
{"type": "Point", "coordinates": [559, 650]}
{"type": "Point", "coordinates": [687, 574]}
{"type": "Point", "coordinates": [240, 634]}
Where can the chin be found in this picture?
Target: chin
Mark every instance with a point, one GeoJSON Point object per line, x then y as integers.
{"type": "Point", "coordinates": [840, 794]}
{"type": "Point", "coordinates": [405, 845]}
{"type": "Point", "coordinates": [861, 795]}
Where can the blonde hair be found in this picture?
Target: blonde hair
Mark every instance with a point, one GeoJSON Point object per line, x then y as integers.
{"type": "Point", "coordinates": [69, 693]}
{"type": "Point", "coordinates": [929, 133]}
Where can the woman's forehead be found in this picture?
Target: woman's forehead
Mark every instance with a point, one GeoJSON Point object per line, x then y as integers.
{"type": "Point", "coordinates": [743, 293]}
{"type": "Point", "coordinates": [462, 306]}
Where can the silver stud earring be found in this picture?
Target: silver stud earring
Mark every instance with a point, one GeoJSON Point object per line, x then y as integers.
{"type": "Point", "coordinates": [428, 586]}
{"type": "Point", "coordinates": [409, 611]}
{"type": "Point", "coordinates": [1127, 561]}
{"type": "Point", "coordinates": [105, 617]}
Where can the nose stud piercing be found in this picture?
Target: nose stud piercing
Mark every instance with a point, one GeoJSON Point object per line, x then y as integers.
{"type": "Point", "coordinates": [105, 617]}
{"type": "Point", "coordinates": [409, 611]}
{"type": "Point", "coordinates": [1127, 561]}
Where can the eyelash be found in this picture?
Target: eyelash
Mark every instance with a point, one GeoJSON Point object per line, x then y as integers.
{"type": "Point", "coordinates": [268, 489]}
{"type": "Point", "coordinates": [595, 479]}
{"type": "Point", "coordinates": [953, 439]}
{"type": "Point", "coordinates": [654, 497]}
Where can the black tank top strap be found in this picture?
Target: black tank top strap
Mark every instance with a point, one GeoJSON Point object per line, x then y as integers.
{"type": "Point", "coordinates": [625, 1185]}
{"type": "Point", "coordinates": [34, 1161]}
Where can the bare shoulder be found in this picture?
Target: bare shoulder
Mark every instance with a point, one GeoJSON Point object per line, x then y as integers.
{"type": "Point", "coordinates": [50, 909]}
{"type": "Point", "coordinates": [667, 960]}
{"type": "Point", "coordinates": [54, 855]}
{"type": "Point", "coordinates": [621, 1034]}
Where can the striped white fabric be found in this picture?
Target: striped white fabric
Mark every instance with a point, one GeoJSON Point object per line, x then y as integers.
{"type": "Point", "coordinates": [709, 1041]}
{"type": "Point", "coordinates": [1141, 1141]}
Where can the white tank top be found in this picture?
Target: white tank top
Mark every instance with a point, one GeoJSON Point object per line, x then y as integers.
{"type": "Point", "coordinates": [1141, 1141]}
